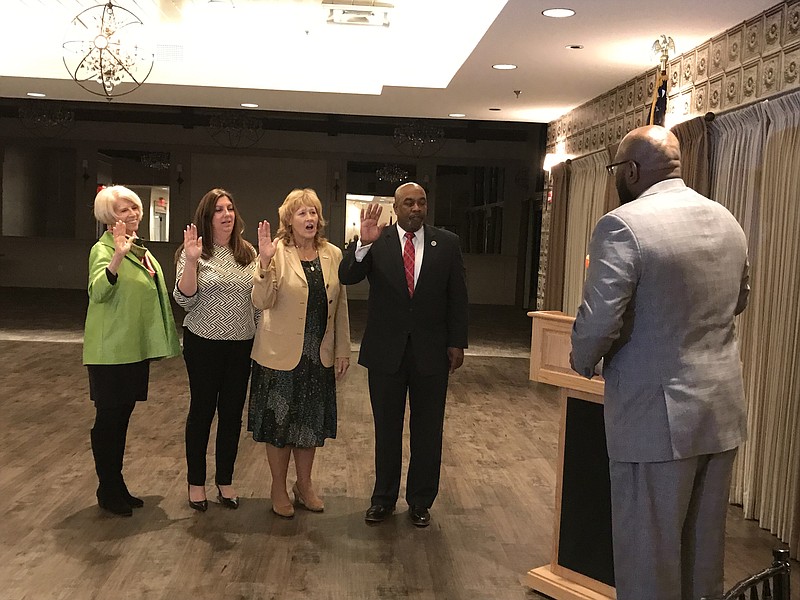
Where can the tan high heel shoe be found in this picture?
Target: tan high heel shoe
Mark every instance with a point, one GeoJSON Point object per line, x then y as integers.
{"type": "Point", "coordinates": [285, 511]}
{"type": "Point", "coordinates": [313, 503]}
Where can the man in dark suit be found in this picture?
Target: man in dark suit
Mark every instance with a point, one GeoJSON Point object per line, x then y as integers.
{"type": "Point", "coordinates": [415, 337]}
{"type": "Point", "coordinates": [667, 275]}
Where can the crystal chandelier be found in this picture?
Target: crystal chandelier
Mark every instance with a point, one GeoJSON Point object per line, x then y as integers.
{"type": "Point", "coordinates": [418, 139]}
{"type": "Point", "coordinates": [156, 160]}
{"type": "Point", "coordinates": [47, 121]}
{"type": "Point", "coordinates": [106, 51]}
{"type": "Point", "coordinates": [235, 131]}
{"type": "Point", "coordinates": [391, 173]}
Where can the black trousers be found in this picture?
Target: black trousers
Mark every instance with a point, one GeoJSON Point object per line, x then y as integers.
{"type": "Point", "coordinates": [218, 374]}
{"type": "Point", "coordinates": [114, 389]}
{"type": "Point", "coordinates": [426, 395]}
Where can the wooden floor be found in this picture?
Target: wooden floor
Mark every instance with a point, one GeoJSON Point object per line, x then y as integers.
{"type": "Point", "coordinates": [491, 522]}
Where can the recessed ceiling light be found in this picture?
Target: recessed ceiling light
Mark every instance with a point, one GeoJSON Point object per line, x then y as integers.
{"type": "Point", "coordinates": [37, 95]}
{"type": "Point", "coordinates": [456, 115]}
{"type": "Point", "coordinates": [248, 105]}
{"type": "Point", "coordinates": [558, 13]}
{"type": "Point", "coordinates": [504, 67]}
{"type": "Point", "coordinates": [495, 109]}
{"type": "Point", "coordinates": [574, 46]}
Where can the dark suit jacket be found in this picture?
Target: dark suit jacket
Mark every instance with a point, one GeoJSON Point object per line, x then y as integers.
{"type": "Point", "coordinates": [434, 319]}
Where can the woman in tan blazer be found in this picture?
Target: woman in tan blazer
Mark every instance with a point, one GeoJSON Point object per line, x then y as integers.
{"type": "Point", "coordinates": [302, 346]}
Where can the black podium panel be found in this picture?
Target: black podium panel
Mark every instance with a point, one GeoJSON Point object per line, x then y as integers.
{"type": "Point", "coordinates": [584, 542]}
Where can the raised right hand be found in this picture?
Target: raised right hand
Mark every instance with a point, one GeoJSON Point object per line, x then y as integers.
{"type": "Point", "coordinates": [370, 230]}
{"type": "Point", "coordinates": [192, 244]}
{"type": "Point", "coordinates": [266, 245]}
{"type": "Point", "coordinates": [122, 241]}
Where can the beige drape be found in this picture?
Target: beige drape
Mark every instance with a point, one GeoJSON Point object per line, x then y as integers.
{"type": "Point", "coordinates": [587, 203]}
{"type": "Point", "coordinates": [693, 138]}
{"type": "Point", "coordinates": [556, 246]}
{"type": "Point", "coordinates": [756, 167]}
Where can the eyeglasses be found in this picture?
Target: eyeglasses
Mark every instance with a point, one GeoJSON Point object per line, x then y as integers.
{"type": "Point", "coordinates": [612, 168]}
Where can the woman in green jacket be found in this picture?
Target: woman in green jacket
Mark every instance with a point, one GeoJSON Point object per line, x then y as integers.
{"type": "Point", "coordinates": [128, 323]}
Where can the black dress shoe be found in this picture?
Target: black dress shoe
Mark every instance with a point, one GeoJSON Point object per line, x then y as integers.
{"type": "Point", "coordinates": [419, 515]}
{"type": "Point", "coordinates": [377, 513]}
{"type": "Point", "coordinates": [113, 503]}
{"type": "Point", "coordinates": [232, 503]}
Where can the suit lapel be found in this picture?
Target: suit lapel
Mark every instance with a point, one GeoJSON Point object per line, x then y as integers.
{"type": "Point", "coordinates": [325, 262]}
{"type": "Point", "coordinates": [429, 255]}
{"type": "Point", "coordinates": [293, 260]}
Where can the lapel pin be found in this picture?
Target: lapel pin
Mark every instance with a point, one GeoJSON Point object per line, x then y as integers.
{"type": "Point", "coordinates": [433, 242]}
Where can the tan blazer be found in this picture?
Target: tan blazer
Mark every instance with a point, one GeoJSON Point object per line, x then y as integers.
{"type": "Point", "coordinates": [282, 293]}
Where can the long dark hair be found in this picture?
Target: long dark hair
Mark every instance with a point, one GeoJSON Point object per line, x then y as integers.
{"type": "Point", "coordinates": [243, 251]}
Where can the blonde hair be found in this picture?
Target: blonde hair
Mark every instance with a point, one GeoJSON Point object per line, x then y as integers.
{"type": "Point", "coordinates": [296, 199]}
{"type": "Point", "coordinates": [105, 199]}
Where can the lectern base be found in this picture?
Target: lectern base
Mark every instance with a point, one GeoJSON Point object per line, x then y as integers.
{"type": "Point", "coordinates": [545, 581]}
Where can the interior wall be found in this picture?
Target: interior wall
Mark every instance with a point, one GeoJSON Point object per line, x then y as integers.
{"type": "Point", "coordinates": [757, 59]}
{"type": "Point", "coordinates": [259, 177]}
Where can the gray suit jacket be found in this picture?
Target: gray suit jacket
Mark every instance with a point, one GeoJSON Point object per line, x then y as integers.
{"type": "Point", "coordinates": [667, 273]}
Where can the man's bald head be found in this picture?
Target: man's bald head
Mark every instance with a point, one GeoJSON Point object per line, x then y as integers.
{"type": "Point", "coordinates": [657, 154]}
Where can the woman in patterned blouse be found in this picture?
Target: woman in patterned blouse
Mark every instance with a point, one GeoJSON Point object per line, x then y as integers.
{"type": "Point", "coordinates": [301, 348]}
{"type": "Point", "coordinates": [214, 282]}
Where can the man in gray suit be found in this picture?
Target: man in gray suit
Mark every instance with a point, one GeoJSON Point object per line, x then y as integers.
{"type": "Point", "coordinates": [667, 274]}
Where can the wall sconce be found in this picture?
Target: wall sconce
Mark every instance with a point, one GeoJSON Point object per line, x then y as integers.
{"type": "Point", "coordinates": [85, 166]}
{"type": "Point", "coordinates": [179, 169]}
{"type": "Point", "coordinates": [335, 186]}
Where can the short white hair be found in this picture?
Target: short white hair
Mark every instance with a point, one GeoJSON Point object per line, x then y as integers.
{"type": "Point", "coordinates": [105, 199]}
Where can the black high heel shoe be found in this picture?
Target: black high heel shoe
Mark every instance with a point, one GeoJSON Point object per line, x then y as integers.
{"type": "Point", "coordinates": [200, 505]}
{"type": "Point", "coordinates": [232, 503]}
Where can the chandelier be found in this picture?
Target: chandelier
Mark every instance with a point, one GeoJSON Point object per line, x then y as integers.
{"type": "Point", "coordinates": [235, 131]}
{"type": "Point", "coordinates": [106, 51]}
{"type": "Point", "coordinates": [391, 173]}
{"type": "Point", "coordinates": [418, 139]}
{"type": "Point", "coordinates": [46, 122]}
{"type": "Point", "coordinates": [156, 160]}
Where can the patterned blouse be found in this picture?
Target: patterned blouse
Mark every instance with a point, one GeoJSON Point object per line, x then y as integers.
{"type": "Point", "coordinates": [221, 308]}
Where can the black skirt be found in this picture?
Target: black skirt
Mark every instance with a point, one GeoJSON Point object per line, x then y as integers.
{"type": "Point", "coordinates": [119, 384]}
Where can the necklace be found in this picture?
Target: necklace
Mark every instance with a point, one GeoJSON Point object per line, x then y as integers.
{"type": "Point", "coordinates": [301, 251]}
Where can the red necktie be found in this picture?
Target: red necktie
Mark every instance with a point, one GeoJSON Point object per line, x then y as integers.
{"type": "Point", "coordinates": [408, 261]}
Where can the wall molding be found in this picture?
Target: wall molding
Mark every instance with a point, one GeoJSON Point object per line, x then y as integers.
{"type": "Point", "coordinates": [754, 60]}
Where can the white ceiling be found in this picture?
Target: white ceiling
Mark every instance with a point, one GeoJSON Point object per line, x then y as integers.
{"type": "Point", "coordinates": [434, 59]}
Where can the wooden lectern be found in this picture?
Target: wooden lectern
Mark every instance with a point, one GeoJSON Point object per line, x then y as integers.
{"type": "Point", "coordinates": [582, 566]}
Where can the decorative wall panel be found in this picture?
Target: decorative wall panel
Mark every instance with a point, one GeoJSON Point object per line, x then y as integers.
{"type": "Point", "coordinates": [752, 61]}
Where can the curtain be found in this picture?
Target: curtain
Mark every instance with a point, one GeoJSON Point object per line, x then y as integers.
{"type": "Point", "coordinates": [587, 203]}
{"type": "Point", "coordinates": [692, 135]}
{"type": "Point", "coordinates": [755, 170]}
{"type": "Point", "coordinates": [554, 278]}
{"type": "Point", "coordinates": [779, 280]}
{"type": "Point", "coordinates": [737, 142]}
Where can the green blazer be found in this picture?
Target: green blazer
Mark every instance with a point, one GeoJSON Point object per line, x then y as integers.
{"type": "Point", "coordinates": [131, 320]}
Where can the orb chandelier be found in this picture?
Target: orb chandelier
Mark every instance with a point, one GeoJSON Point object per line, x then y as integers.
{"type": "Point", "coordinates": [46, 121]}
{"type": "Point", "coordinates": [418, 139]}
{"type": "Point", "coordinates": [391, 173]}
{"type": "Point", "coordinates": [107, 52]}
{"type": "Point", "coordinates": [235, 131]}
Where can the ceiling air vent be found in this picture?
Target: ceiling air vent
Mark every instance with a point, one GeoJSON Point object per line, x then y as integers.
{"type": "Point", "coordinates": [358, 12]}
